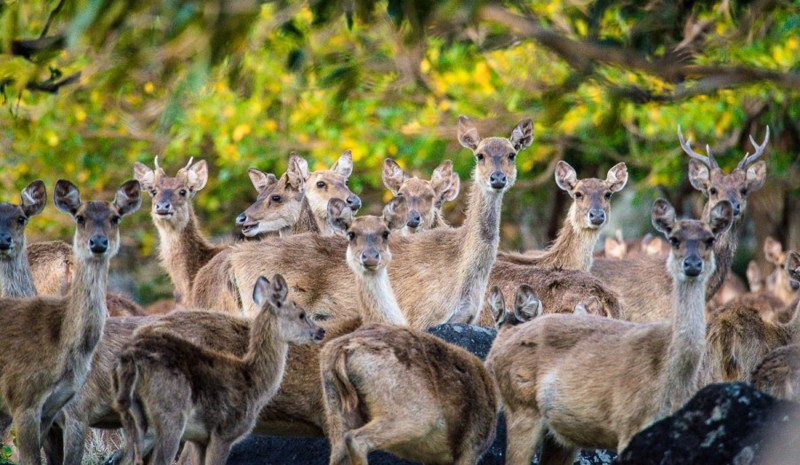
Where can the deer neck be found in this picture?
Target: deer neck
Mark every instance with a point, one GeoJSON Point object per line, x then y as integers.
{"type": "Point", "coordinates": [724, 250]}
{"type": "Point", "coordinates": [687, 345]}
{"type": "Point", "coordinates": [86, 309]}
{"type": "Point", "coordinates": [307, 222]}
{"type": "Point", "coordinates": [265, 360]}
{"type": "Point", "coordinates": [573, 246]}
{"type": "Point", "coordinates": [15, 272]}
{"type": "Point", "coordinates": [481, 237]}
{"type": "Point", "coordinates": [376, 299]}
{"type": "Point", "coordinates": [793, 325]}
{"type": "Point", "coordinates": [180, 250]}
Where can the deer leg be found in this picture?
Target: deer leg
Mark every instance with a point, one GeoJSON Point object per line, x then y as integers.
{"type": "Point", "coordinates": [192, 454]}
{"type": "Point", "coordinates": [554, 453]}
{"type": "Point", "coordinates": [383, 433]}
{"type": "Point", "coordinates": [218, 450]}
{"type": "Point", "coordinates": [54, 445]}
{"type": "Point", "coordinates": [75, 433]}
{"type": "Point", "coordinates": [525, 432]}
{"type": "Point", "coordinates": [168, 428]}
{"type": "Point", "coordinates": [27, 423]}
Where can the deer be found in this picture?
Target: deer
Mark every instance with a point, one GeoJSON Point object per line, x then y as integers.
{"type": "Point", "coordinates": [778, 282]}
{"type": "Point", "coordinates": [779, 373]}
{"type": "Point", "coordinates": [408, 393]}
{"type": "Point", "coordinates": [50, 340]}
{"type": "Point", "coordinates": [179, 390]}
{"type": "Point", "coordinates": [455, 292]}
{"type": "Point", "coordinates": [425, 198]}
{"type": "Point", "coordinates": [591, 204]}
{"type": "Point", "coordinates": [634, 279]}
{"type": "Point", "coordinates": [15, 272]}
{"type": "Point", "coordinates": [528, 306]}
{"type": "Point", "coordinates": [559, 388]}
{"type": "Point", "coordinates": [285, 205]}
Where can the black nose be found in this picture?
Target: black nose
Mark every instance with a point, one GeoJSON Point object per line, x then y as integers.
{"type": "Point", "coordinates": [498, 180]}
{"type": "Point", "coordinates": [163, 208]}
{"type": "Point", "coordinates": [692, 265]}
{"type": "Point", "coordinates": [737, 208]}
{"type": "Point", "coordinates": [370, 258]}
{"type": "Point", "coordinates": [414, 219]}
{"type": "Point", "coordinates": [320, 335]}
{"type": "Point", "coordinates": [597, 216]}
{"type": "Point", "coordinates": [98, 244]}
{"type": "Point", "coordinates": [354, 202]}
{"type": "Point", "coordinates": [6, 241]}
{"type": "Point", "coordinates": [241, 219]}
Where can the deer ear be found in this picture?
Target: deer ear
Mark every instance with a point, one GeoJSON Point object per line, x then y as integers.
{"type": "Point", "coordinates": [67, 197]}
{"type": "Point", "coordinates": [260, 291]}
{"type": "Point", "coordinates": [497, 305]}
{"type": "Point", "coordinates": [663, 216]}
{"type": "Point", "coordinates": [467, 134]}
{"type": "Point", "coordinates": [278, 291]}
{"type": "Point", "coordinates": [614, 248]}
{"type": "Point", "coordinates": [793, 265]}
{"type": "Point", "coordinates": [721, 217]}
{"type": "Point", "coordinates": [294, 175]}
{"type": "Point", "coordinates": [301, 162]}
{"type": "Point", "coordinates": [754, 276]}
{"type": "Point", "coordinates": [395, 213]}
{"type": "Point", "coordinates": [699, 176]}
{"type": "Point", "coordinates": [617, 177]}
{"type": "Point", "coordinates": [34, 198]}
{"type": "Point", "coordinates": [773, 251]}
{"type": "Point", "coordinates": [566, 178]}
{"type": "Point", "coordinates": [522, 135]}
{"type": "Point", "coordinates": [145, 176]}
{"type": "Point", "coordinates": [393, 176]}
{"type": "Point", "coordinates": [755, 176]}
{"type": "Point", "coordinates": [590, 306]}
{"type": "Point", "coordinates": [526, 305]}
{"type": "Point", "coordinates": [261, 180]}
{"type": "Point", "coordinates": [197, 176]}
{"type": "Point", "coordinates": [451, 192]}
{"type": "Point", "coordinates": [340, 217]}
{"type": "Point", "coordinates": [441, 178]}
{"type": "Point", "coordinates": [128, 198]}
{"type": "Point", "coordinates": [344, 165]}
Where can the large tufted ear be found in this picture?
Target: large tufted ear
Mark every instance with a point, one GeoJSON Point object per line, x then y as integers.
{"type": "Point", "coordinates": [260, 291]}
{"type": "Point", "coordinates": [449, 194]}
{"type": "Point", "coordinates": [617, 177]}
{"type": "Point", "coordinates": [522, 135]}
{"type": "Point", "coordinates": [663, 216]}
{"type": "Point", "coordinates": [197, 176]}
{"type": "Point", "coordinates": [344, 165]}
{"type": "Point", "coordinates": [566, 177]}
{"type": "Point", "coordinates": [441, 180]}
{"type": "Point", "coordinates": [301, 162]}
{"type": "Point", "coordinates": [497, 305]}
{"type": "Point", "coordinates": [755, 176]}
{"type": "Point", "coordinates": [145, 176]}
{"type": "Point", "coordinates": [773, 251]}
{"type": "Point", "coordinates": [340, 216]}
{"type": "Point", "coordinates": [699, 176]}
{"type": "Point", "coordinates": [527, 305]}
{"type": "Point", "coordinates": [34, 198]}
{"type": "Point", "coordinates": [67, 197]}
{"type": "Point", "coordinates": [278, 291]}
{"type": "Point", "coordinates": [467, 134]}
{"type": "Point", "coordinates": [793, 265]}
{"type": "Point", "coordinates": [754, 280]}
{"type": "Point", "coordinates": [261, 180]}
{"type": "Point", "coordinates": [395, 213]}
{"type": "Point", "coordinates": [590, 306]}
{"type": "Point", "coordinates": [128, 198]}
{"type": "Point", "coordinates": [393, 176]}
{"type": "Point", "coordinates": [721, 217]}
{"type": "Point", "coordinates": [294, 175]}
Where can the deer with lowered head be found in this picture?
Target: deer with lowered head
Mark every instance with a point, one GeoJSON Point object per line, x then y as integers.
{"type": "Point", "coordinates": [49, 341]}
{"type": "Point", "coordinates": [542, 367]}
{"type": "Point", "coordinates": [179, 390]}
{"type": "Point", "coordinates": [408, 393]}
{"type": "Point", "coordinates": [779, 373]}
{"type": "Point", "coordinates": [641, 282]}
{"type": "Point", "coordinates": [449, 265]}
{"type": "Point", "coordinates": [15, 272]}
{"type": "Point", "coordinates": [527, 306]}
{"type": "Point", "coordinates": [425, 198]}
{"type": "Point", "coordinates": [591, 203]}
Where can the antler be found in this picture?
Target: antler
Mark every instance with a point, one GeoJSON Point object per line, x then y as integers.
{"type": "Point", "coordinates": [686, 145]}
{"type": "Point", "coordinates": [156, 162]}
{"type": "Point", "coordinates": [748, 159]}
{"type": "Point", "coordinates": [189, 164]}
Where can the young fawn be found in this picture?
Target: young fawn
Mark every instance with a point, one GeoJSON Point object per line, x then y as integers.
{"type": "Point", "coordinates": [408, 393]}
{"type": "Point", "coordinates": [49, 341]}
{"type": "Point", "coordinates": [591, 204]}
{"type": "Point", "coordinates": [183, 391]}
{"type": "Point", "coordinates": [17, 280]}
{"type": "Point", "coordinates": [425, 198]}
{"type": "Point", "coordinates": [559, 388]}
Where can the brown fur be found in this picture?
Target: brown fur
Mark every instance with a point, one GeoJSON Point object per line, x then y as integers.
{"type": "Point", "coordinates": [425, 198]}
{"type": "Point", "coordinates": [49, 341]}
{"type": "Point", "coordinates": [15, 271]}
{"type": "Point", "coordinates": [779, 373]}
{"type": "Point", "coordinates": [591, 205]}
{"type": "Point", "coordinates": [450, 266]}
{"type": "Point", "coordinates": [408, 393]}
{"type": "Point", "coordinates": [778, 282]}
{"type": "Point", "coordinates": [179, 390]}
{"type": "Point", "coordinates": [560, 375]}
{"type": "Point", "coordinates": [323, 185]}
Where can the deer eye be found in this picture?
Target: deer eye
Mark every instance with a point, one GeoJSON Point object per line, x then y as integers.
{"type": "Point", "coordinates": [578, 195]}
{"type": "Point", "coordinates": [607, 195]}
{"type": "Point", "coordinates": [276, 198]}
{"type": "Point", "coordinates": [385, 235]}
{"type": "Point", "coordinates": [674, 242]}
{"type": "Point", "coordinates": [115, 219]}
{"type": "Point", "coordinates": [480, 156]}
{"type": "Point", "coordinates": [153, 192]}
{"type": "Point", "coordinates": [710, 242]}
{"type": "Point", "coordinates": [743, 191]}
{"type": "Point", "coordinates": [22, 220]}
{"type": "Point", "coordinates": [321, 184]}
{"type": "Point", "coordinates": [351, 236]}
{"type": "Point", "coordinates": [303, 316]}
{"type": "Point", "coordinates": [80, 219]}
{"type": "Point", "coordinates": [713, 191]}
{"type": "Point", "coordinates": [512, 156]}
{"type": "Point", "coordinates": [182, 192]}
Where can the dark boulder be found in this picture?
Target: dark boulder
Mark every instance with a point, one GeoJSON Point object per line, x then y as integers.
{"type": "Point", "coordinates": [722, 424]}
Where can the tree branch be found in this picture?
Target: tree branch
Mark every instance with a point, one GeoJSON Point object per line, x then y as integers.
{"type": "Point", "coordinates": [28, 48]}
{"type": "Point", "coordinates": [50, 18]}
{"type": "Point", "coordinates": [50, 86]}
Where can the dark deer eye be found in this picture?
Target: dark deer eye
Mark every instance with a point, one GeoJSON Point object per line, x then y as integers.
{"type": "Point", "coordinates": [182, 192]}
{"type": "Point", "coordinates": [607, 195]}
{"type": "Point", "coordinates": [351, 236]}
{"type": "Point", "coordinates": [22, 220]}
{"type": "Point", "coordinates": [303, 316]}
{"type": "Point", "coordinates": [512, 156]}
{"type": "Point", "coordinates": [115, 219]}
{"type": "Point", "coordinates": [710, 242]}
{"type": "Point", "coordinates": [713, 191]}
{"type": "Point", "coordinates": [80, 219]}
{"type": "Point", "coordinates": [743, 191]}
{"type": "Point", "coordinates": [674, 242]}
{"type": "Point", "coordinates": [153, 192]}
{"type": "Point", "coordinates": [320, 184]}
{"type": "Point", "coordinates": [385, 235]}
{"type": "Point", "coordinates": [578, 195]}
{"type": "Point", "coordinates": [276, 198]}
{"type": "Point", "coordinates": [480, 156]}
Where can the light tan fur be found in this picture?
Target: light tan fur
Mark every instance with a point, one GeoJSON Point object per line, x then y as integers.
{"type": "Point", "coordinates": [49, 341]}
{"type": "Point", "coordinates": [177, 390]}
{"type": "Point", "coordinates": [324, 185]}
{"type": "Point", "coordinates": [406, 392]}
{"type": "Point", "coordinates": [637, 280]}
{"type": "Point", "coordinates": [591, 205]}
{"type": "Point", "coordinates": [425, 198]}
{"type": "Point", "coordinates": [778, 282]}
{"type": "Point", "coordinates": [779, 373]}
{"type": "Point", "coordinates": [15, 272]}
{"type": "Point", "coordinates": [560, 376]}
{"type": "Point", "coordinates": [528, 306]}
{"type": "Point", "coordinates": [449, 266]}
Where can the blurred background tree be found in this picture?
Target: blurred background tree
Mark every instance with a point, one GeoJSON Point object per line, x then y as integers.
{"type": "Point", "coordinates": [89, 86]}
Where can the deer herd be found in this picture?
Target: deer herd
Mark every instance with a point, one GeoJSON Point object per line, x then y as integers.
{"type": "Point", "coordinates": [318, 330]}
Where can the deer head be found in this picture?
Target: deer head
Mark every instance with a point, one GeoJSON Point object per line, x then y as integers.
{"type": "Point", "coordinates": [279, 201]}
{"type": "Point", "coordinates": [495, 169]}
{"type": "Point", "coordinates": [295, 325]}
{"type": "Point", "coordinates": [527, 306]}
{"type": "Point", "coordinates": [706, 176]}
{"type": "Point", "coordinates": [692, 241]}
{"type": "Point", "coordinates": [324, 185]}
{"type": "Point", "coordinates": [423, 197]}
{"type": "Point", "coordinates": [172, 196]}
{"type": "Point", "coordinates": [368, 236]}
{"type": "Point", "coordinates": [97, 222]}
{"type": "Point", "coordinates": [14, 218]}
{"type": "Point", "coordinates": [591, 197]}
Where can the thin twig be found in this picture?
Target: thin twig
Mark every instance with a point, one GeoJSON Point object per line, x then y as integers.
{"type": "Point", "coordinates": [50, 18]}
